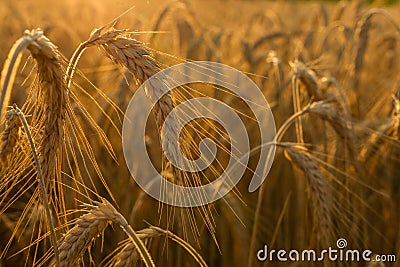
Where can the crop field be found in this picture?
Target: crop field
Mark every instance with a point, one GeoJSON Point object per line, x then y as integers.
{"type": "Point", "coordinates": [280, 147]}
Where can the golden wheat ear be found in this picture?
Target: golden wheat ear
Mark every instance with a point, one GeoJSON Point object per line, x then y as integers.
{"type": "Point", "coordinates": [319, 194]}
{"type": "Point", "coordinates": [136, 57]}
{"type": "Point", "coordinates": [48, 106]}
{"type": "Point", "coordinates": [91, 225]}
{"type": "Point", "coordinates": [53, 98]}
{"type": "Point", "coordinates": [127, 255]}
{"type": "Point", "coordinates": [10, 135]}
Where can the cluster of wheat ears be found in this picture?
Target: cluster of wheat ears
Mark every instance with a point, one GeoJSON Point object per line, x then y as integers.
{"type": "Point", "coordinates": [333, 86]}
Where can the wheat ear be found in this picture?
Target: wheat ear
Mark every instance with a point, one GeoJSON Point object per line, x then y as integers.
{"type": "Point", "coordinates": [91, 225]}
{"type": "Point", "coordinates": [77, 239]}
{"type": "Point", "coordinates": [361, 33]}
{"type": "Point", "coordinates": [10, 135]}
{"type": "Point", "coordinates": [137, 58]}
{"type": "Point", "coordinates": [319, 194]}
{"type": "Point", "coordinates": [328, 111]}
{"type": "Point", "coordinates": [54, 93]}
{"type": "Point", "coordinates": [132, 54]}
{"type": "Point", "coordinates": [396, 114]}
{"type": "Point", "coordinates": [128, 255]}
{"type": "Point", "coordinates": [388, 130]}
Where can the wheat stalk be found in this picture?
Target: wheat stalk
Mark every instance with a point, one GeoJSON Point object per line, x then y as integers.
{"type": "Point", "coordinates": [16, 112]}
{"type": "Point", "coordinates": [273, 59]}
{"type": "Point", "coordinates": [183, 244]}
{"type": "Point", "coordinates": [309, 78]}
{"type": "Point", "coordinates": [11, 64]}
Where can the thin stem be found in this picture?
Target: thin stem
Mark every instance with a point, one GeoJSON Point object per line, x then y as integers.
{"type": "Point", "coordinates": [260, 199]}
{"type": "Point", "coordinates": [282, 130]}
{"type": "Point", "coordinates": [184, 244]}
{"type": "Point", "coordinates": [74, 62]}
{"type": "Point", "coordinates": [296, 107]}
{"type": "Point", "coordinates": [41, 182]}
{"type": "Point", "coordinates": [135, 239]}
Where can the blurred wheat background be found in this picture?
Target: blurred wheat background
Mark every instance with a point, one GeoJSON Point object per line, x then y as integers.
{"type": "Point", "coordinates": [329, 71]}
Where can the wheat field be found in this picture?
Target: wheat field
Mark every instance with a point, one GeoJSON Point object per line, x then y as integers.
{"type": "Point", "coordinates": [328, 70]}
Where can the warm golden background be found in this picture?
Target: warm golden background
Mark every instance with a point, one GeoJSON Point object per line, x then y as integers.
{"type": "Point", "coordinates": [339, 179]}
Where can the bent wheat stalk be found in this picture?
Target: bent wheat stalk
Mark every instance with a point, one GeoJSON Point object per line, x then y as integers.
{"type": "Point", "coordinates": [11, 64]}
{"type": "Point", "coordinates": [183, 243]}
{"type": "Point", "coordinates": [327, 111]}
{"type": "Point", "coordinates": [309, 78]}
